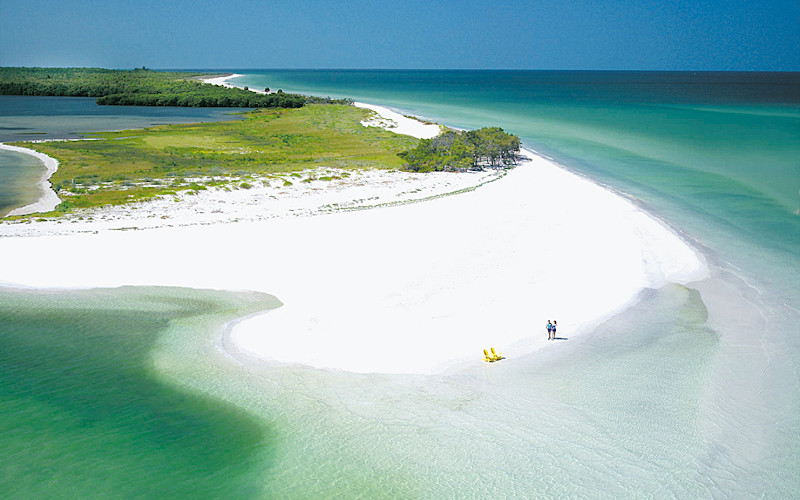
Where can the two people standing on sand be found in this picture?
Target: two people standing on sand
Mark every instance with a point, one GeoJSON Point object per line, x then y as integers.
{"type": "Point", "coordinates": [551, 329]}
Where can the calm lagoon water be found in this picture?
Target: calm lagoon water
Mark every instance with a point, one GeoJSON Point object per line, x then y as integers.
{"type": "Point", "coordinates": [32, 118]}
{"type": "Point", "coordinates": [692, 392]}
{"type": "Point", "coordinates": [26, 118]}
{"type": "Point", "coordinates": [86, 413]}
{"type": "Point", "coordinates": [19, 177]}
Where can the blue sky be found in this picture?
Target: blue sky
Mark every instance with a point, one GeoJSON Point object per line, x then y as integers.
{"type": "Point", "coordinates": [547, 34]}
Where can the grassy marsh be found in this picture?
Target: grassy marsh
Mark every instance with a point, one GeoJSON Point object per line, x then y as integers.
{"type": "Point", "coordinates": [133, 165]}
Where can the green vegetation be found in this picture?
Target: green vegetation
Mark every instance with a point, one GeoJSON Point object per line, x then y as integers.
{"type": "Point", "coordinates": [463, 150]}
{"type": "Point", "coordinates": [267, 146]}
{"type": "Point", "coordinates": [142, 87]}
{"type": "Point", "coordinates": [132, 165]}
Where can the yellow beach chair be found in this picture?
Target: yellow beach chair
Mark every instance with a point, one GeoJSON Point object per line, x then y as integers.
{"type": "Point", "coordinates": [491, 358]}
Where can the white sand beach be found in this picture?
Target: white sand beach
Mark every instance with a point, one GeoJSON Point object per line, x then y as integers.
{"type": "Point", "coordinates": [384, 117]}
{"type": "Point", "coordinates": [310, 192]}
{"type": "Point", "coordinates": [390, 120]}
{"type": "Point", "coordinates": [413, 288]}
{"type": "Point", "coordinates": [223, 81]}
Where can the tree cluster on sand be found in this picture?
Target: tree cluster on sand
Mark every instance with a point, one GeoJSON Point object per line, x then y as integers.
{"type": "Point", "coordinates": [453, 150]}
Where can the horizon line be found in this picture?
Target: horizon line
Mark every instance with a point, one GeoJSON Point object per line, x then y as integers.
{"type": "Point", "coordinates": [606, 70]}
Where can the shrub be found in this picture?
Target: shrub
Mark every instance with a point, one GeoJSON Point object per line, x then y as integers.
{"type": "Point", "coordinates": [65, 206]}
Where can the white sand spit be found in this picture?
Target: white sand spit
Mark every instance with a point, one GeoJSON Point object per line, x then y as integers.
{"type": "Point", "coordinates": [397, 123]}
{"type": "Point", "coordinates": [408, 289]}
{"type": "Point", "coordinates": [384, 117]}
{"type": "Point", "coordinates": [223, 82]}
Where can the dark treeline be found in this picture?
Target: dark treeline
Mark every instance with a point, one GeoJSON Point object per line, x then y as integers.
{"type": "Point", "coordinates": [453, 150]}
{"type": "Point", "coordinates": [141, 87]}
{"type": "Point", "coordinates": [197, 95]}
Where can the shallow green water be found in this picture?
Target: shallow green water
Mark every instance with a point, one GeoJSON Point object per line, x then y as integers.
{"type": "Point", "coordinates": [616, 415]}
{"type": "Point", "coordinates": [86, 414]}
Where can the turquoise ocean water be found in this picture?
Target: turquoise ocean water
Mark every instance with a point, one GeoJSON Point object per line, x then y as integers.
{"type": "Point", "coordinates": [692, 392]}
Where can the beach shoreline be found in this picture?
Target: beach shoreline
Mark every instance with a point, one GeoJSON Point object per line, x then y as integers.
{"type": "Point", "coordinates": [395, 122]}
{"type": "Point", "coordinates": [222, 81]}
